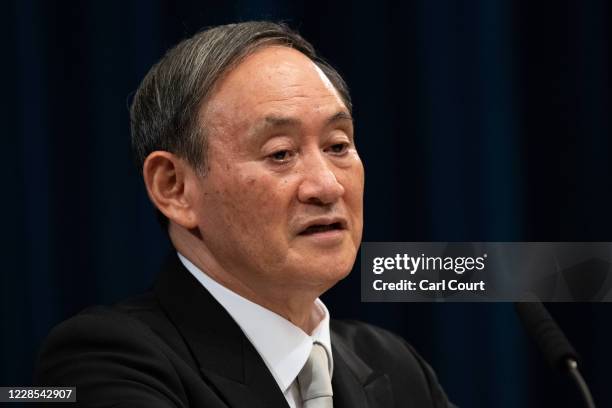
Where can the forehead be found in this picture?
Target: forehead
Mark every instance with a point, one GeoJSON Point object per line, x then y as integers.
{"type": "Point", "coordinates": [274, 79]}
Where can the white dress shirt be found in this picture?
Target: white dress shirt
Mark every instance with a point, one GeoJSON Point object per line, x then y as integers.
{"type": "Point", "coordinates": [283, 346]}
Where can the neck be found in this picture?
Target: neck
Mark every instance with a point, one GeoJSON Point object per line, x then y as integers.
{"type": "Point", "coordinates": [296, 305]}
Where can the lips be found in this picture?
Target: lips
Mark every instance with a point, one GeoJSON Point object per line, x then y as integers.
{"type": "Point", "coordinates": [313, 229]}
{"type": "Point", "coordinates": [322, 225]}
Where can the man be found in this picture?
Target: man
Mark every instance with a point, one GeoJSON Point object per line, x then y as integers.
{"type": "Point", "coordinates": [245, 142]}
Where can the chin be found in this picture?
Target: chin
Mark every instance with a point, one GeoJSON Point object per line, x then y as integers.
{"type": "Point", "coordinates": [330, 272]}
{"type": "Point", "coordinates": [321, 267]}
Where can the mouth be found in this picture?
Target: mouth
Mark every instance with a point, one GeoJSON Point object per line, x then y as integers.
{"type": "Point", "coordinates": [321, 228]}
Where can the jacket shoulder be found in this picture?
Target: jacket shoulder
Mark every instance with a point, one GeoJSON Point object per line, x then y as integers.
{"type": "Point", "coordinates": [104, 351]}
{"type": "Point", "coordinates": [363, 335]}
{"type": "Point", "coordinates": [388, 353]}
{"type": "Point", "coordinates": [379, 348]}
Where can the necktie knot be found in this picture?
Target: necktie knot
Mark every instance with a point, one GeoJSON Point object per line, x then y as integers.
{"type": "Point", "coordinates": [315, 381]}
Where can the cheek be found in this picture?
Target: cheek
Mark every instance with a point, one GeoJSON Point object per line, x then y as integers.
{"type": "Point", "coordinates": [253, 203]}
{"type": "Point", "coordinates": [354, 186]}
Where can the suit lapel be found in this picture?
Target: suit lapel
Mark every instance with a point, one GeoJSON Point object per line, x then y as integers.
{"type": "Point", "coordinates": [227, 360]}
{"type": "Point", "coordinates": [354, 383]}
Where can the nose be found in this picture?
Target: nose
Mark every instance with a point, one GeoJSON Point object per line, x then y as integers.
{"type": "Point", "coordinates": [319, 185]}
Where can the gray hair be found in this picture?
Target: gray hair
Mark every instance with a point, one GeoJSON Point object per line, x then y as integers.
{"type": "Point", "coordinates": [164, 112]}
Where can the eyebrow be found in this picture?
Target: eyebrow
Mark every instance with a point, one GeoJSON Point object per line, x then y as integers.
{"type": "Point", "coordinates": [340, 116]}
{"type": "Point", "coordinates": [270, 122]}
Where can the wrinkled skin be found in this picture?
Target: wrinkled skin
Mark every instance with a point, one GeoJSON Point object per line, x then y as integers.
{"type": "Point", "coordinates": [281, 155]}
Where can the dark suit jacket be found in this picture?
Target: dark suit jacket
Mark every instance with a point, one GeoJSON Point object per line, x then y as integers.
{"type": "Point", "coordinates": [177, 347]}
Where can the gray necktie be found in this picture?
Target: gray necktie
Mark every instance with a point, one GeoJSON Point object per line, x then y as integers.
{"type": "Point", "coordinates": [315, 381]}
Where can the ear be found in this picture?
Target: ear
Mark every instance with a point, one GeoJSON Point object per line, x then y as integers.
{"type": "Point", "coordinates": [170, 181]}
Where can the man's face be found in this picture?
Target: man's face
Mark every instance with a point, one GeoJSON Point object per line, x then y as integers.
{"type": "Point", "coordinates": [281, 201]}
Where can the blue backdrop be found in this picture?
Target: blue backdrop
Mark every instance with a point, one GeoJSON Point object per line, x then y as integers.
{"type": "Point", "coordinates": [476, 120]}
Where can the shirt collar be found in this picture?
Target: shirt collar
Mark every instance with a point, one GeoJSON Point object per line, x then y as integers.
{"type": "Point", "coordinates": [283, 346]}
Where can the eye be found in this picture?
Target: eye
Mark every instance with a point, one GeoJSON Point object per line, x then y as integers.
{"type": "Point", "coordinates": [281, 156]}
{"type": "Point", "coordinates": [338, 148]}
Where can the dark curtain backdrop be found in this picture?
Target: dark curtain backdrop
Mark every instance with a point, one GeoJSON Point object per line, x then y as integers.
{"type": "Point", "coordinates": [476, 120]}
